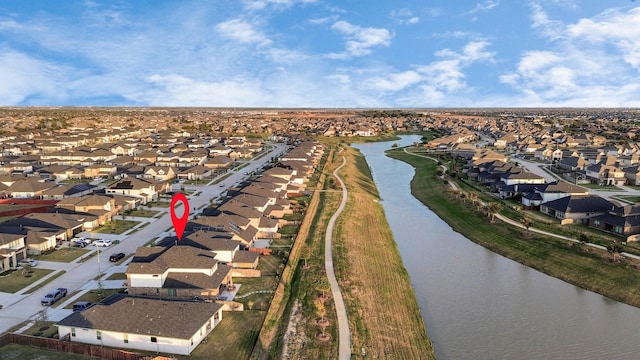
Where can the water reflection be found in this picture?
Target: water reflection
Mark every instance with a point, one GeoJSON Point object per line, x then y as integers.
{"type": "Point", "coordinates": [480, 305]}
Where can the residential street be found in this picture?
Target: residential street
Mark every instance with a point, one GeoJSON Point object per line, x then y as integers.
{"type": "Point", "coordinates": [18, 308]}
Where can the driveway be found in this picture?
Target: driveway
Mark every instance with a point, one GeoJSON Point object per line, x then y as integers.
{"type": "Point", "coordinates": [19, 308]}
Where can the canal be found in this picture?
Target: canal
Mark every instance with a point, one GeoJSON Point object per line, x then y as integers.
{"type": "Point", "coordinates": [479, 305]}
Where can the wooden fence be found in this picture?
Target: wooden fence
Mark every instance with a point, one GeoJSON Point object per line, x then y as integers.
{"type": "Point", "coordinates": [71, 347]}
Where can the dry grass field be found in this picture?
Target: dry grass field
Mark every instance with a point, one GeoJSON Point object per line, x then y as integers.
{"type": "Point", "coordinates": [384, 315]}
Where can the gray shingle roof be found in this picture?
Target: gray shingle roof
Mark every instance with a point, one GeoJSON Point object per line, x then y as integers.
{"type": "Point", "coordinates": [144, 316]}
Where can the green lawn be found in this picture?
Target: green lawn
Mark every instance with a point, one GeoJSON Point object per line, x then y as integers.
{"type": "Point", "coordinates": [43, 329]}
{"type": "Point", "coordinates": [117, 227]}
{"type": "Point", "coordinates": [161, 204]}
{"type": "Point", "coordinates": [254, 284]}
{"type": "Point", "coordinates": [18, 352]}
{"type": "Point", "coordinates": [44, 283]}
{"type": "Point", "coordinates": [143, 213]}
{"type": "Point", "coordinates": [19, 279]}
{"type": "Point", "coordinates": [66, 254]}
{"type": "Point", "coordinates": [232, 339]}
{"type": "Point", "coordinates": [270, 265]}
{"type": "Point", "coordinates": [117, 276]}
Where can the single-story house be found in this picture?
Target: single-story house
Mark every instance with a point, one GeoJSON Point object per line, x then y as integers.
{"type": "Point", "coordinates": [143, 323]}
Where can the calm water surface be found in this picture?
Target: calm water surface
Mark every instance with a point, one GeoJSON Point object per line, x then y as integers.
{"type": "Point", "coordinates": [480, 305]}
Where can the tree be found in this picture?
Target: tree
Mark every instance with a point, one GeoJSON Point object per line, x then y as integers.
{"type": "Point", "coordinates": [492, 210]}
{"type": "Point", "coordinates": [305, 252]}
{"type": "Point", "coordinates": [615, 250]}
{"type": "Point", "coordinates": [527, 223]}
{"type": "Point", "coordinates": [321, 311]}
{"type": "Point", "coordinates": [323, 286]}
{"type": "Point", "coordinates": [583, 238]}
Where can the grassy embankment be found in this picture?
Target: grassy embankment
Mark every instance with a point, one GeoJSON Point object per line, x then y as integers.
{"type": "Point", "coordinates": [384, 316]}
{"type": "Point", "coordinates": [592, 270]}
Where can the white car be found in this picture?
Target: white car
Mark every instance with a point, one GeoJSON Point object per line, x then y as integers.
{"type": "Point", "coordinates": [103, 242]}
{"type": "Point", "coordinates": [28, 262]}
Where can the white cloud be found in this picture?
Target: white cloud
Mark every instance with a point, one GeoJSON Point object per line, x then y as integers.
{"type": "Point", "coordinates": [619, 29]}
{"type": "Point", "coordinates": [177, 90]}
{"type": "Point", "coordinates": [397, 81]}
{"type": "Point", "coordinates": [24, 77]}
{"type": "Point", "coordinates": [592, 62]}
{"type": "Point", "coordinates": [484, 6]}
{"type": "Point", "coordinates": [404, 16]}
{"type": "Point", "coordinates": [552, 29]}
{"type": "Point", "coordinates": [437, 79]}
{"type": "Point", "coordinates": [242, 31]}
{"type": "Point", "coordinates": [360, 40]}
{"type": "Point", "coordinates": [262, 4]}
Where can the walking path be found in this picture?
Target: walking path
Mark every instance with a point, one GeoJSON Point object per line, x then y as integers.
{"type": "Point", "coordinates": [454, 186]}
{"type": "Point", "coordinates": [344, 335]}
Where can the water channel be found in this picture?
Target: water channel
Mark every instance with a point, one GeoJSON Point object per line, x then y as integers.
{"type": "Point", "coordinates": [479, 305]}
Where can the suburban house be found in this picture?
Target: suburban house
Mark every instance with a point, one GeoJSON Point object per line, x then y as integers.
{"type": "Point", "coordinates": [226, 250]}
{"type": "Point", "coordinates": [12, 249]}
{"type": "Point", "coordinates": [104, 207]}
{"type": "Point", "coordinates": [42, 239]}
{"type": "Point", "coordinates": [64, 191]}
{"type": "Point", "coordinates": [102, 170]}
{"type": "Point", "coordinates": [620, 220]}
{"type": "Point", "coordinates": [219, 162]}
{"type": "Point", "coordinates": [69, 224]}
{"type": "Point", "coordinates": [551, 191]}
{"type": "Point", "coordinates": [239, 227]}
{"type": "Point", "coordinates": [143, 323]}
{"type": "Point", "coordinates": [145, 189]}
{"type": "Point", "coordinates": [198, 172]}
{"type": "Point", "coordinates": [29, 188]}
{"type": "Point", "coordinates": [177, 272]}
{"type": "Point", "coordinates": [576, 209]}
{"type": "Point", "coordinates": [603, 174]}
{"type": "Point", "coordinates": [160, 173]}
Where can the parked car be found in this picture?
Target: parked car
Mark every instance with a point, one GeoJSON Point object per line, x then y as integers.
{"type": "Point", "coordinates": [81, 305]}
{"type": "Point", "coordinates": [103, 242]}
{"type": "Point", "coordinates": [79, 244]}
{"type": "Point", "coordinates": [116, 257]}
{"type": "Point", "coordinates": [28, 262]}
{"type": "Point", "coordinates": [53, 296]}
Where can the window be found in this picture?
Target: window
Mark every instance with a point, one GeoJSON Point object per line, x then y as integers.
{"type": "Point", "coordinates": [172, 292]}
{"type": "Point", "coordinates": [157, 291]}
{"type": "Point", "coordinates": [618, 229]}
{"type": "Point", "coordinates": [154, 339]}
{"type": "Point", "coordinates": [596, 222]}
{"type": "Point", "coordinates": [126, 338]}
{"type": "Point", "coordinates": [99, 335]}
{"type": "Point", "coordinates": [73, 332]}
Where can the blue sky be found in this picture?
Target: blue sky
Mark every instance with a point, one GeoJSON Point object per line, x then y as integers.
{"type": "Point", "coordinates": [321, 53]}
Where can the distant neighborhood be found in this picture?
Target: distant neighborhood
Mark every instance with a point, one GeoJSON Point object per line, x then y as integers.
{"type": "Point", "coordinates": [68, 176]}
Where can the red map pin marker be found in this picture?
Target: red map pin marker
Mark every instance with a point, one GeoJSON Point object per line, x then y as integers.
{"type": "Point", "coordinates": [179, 223]}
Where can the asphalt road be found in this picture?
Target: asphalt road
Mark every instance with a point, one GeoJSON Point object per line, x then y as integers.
{"type": "Point", "coordinates": [19, 308]}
